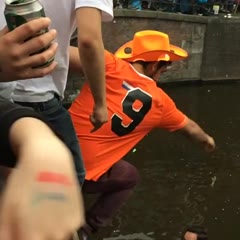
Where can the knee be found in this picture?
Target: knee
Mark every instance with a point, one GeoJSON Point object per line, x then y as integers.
{"type": "Point", "coordinates": [121, 176]}
{"type": "Point", "coordinates": [132, 176]}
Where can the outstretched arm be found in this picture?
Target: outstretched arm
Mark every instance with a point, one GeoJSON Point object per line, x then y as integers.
{"type": "Point", "coordinates": [195, 132]}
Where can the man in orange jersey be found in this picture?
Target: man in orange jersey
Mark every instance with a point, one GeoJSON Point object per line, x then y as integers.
{"type": "Point", "coordinates": [135, 107]}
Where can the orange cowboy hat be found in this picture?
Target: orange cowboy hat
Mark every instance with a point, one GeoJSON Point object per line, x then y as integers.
{"type": "Point", "coordinates": [150, 46]}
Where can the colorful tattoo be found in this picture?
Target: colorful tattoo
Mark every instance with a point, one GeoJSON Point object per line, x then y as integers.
{"type": "Point", "coordinates": [52, 180]}
{"type": "Point", "coordinates": [51, 177]}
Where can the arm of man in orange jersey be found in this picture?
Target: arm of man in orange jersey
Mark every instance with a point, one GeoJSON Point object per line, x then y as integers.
{"type": "Point", "coordinates": [195, 132]}
{"type": "Point", "coordinates": [174, 120]}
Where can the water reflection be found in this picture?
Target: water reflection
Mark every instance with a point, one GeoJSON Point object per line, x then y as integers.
{"type": "Point", "coordinates": [133, 236]}
{"type": "Point", "coordinates": [181, 184]}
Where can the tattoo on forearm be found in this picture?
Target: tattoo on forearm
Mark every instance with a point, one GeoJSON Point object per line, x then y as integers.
{"type": "Point", "coordinates": [50, 193]}
{"type": "Point", "coordinates": [55, 178]}
{"type": "Point", "coordinates": [52, 196]}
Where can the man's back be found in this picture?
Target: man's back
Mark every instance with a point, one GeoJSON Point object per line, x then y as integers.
{"type": "Point", "coordinates": [135, 106]}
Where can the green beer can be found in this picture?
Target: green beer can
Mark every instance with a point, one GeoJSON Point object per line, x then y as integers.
{"type": "Point", "coordinates": [18, 12]}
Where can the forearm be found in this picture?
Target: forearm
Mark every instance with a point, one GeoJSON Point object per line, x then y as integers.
{"type": "Point", "coordinates": [93, 62]}
{"type": "Point", "coordinates": [22, 140]}
{"type": "Point", "coordinates": [19, 126]}
{"type": "Point", "coordinates": [27, 138]}
{"type": "Point", "coordinates": [193, 131]}
{"type": "Point", "coordinates": [91, 50]}
{"type": "Point", "coordinates": [39, 149]}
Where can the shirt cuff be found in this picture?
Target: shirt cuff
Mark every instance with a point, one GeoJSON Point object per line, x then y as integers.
{"type": "Point", "coordinates": [106, 6]}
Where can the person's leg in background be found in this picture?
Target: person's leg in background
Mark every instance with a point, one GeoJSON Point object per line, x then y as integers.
{"type": "Point", "coordinates": [57, 115]}
{"type": "Point", "coordinates": [115, 187]}
{"type": "Point", "coordinates": [136, 4]}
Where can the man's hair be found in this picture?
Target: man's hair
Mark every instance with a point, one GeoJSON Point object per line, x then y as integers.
{"type": "Point", "coordinates": [160, 63]}
{"type": "Point", "coordinates": [144, 64]}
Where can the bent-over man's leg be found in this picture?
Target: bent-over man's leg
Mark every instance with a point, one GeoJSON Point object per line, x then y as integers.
{"type": "Point", "coordinates": [115, 187]}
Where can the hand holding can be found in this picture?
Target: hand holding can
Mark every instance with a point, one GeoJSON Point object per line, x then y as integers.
{"type": "Point", "coordinates": [19, 12]}
{"type": "Point", "coordinates": [16, 59]}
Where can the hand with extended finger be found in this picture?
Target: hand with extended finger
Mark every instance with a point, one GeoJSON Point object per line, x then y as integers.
{"type": "Point", "coordinates": [209, 145]}
{"type": "Point", "coordinates": [99, 116]}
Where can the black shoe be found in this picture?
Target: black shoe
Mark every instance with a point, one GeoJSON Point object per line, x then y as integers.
{"type": "Point", "coordinates": [81, 235]}
{"type": "Point", "coordinates": [76, 236]}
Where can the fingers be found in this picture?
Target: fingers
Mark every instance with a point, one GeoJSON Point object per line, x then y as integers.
{"type": "Point", "coordinates": [27, 67]}
{"type": "Point", "coordinates": [209, 148]}
{"type": "Point", "coordinates": [40, 72]}
{"type": "Point", "coordinates": [95, 123]}
{"type": "Point", "coordinates": [40, 42]}
{"type": "Point", "coordinates": [94, 129]}
{"type": "Point", "coordinates": [28, 29]}
{"type": "Point", "coordinates": [211, 144]}
{"type": "Point", "coordinates": [43, 57]}
{"type": "Point", "coordinates": [29, 73]}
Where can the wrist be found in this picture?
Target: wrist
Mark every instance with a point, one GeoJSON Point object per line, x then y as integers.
{"type": "Point", "coordinates": [100, 102]}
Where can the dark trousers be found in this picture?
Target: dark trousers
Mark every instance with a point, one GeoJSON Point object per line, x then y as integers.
{"type": "Point", "coordinates": [114, 187]}
{"type": "Point", "coordinates": [59, 118]}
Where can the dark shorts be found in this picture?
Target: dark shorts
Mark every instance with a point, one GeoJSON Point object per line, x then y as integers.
{"type": "Point", "coordinates": [9, 113]}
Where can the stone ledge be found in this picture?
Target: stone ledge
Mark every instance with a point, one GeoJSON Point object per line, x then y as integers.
{"type": "Point", "coordinates": [172, 16]}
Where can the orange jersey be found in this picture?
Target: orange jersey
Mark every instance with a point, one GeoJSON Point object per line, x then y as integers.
{"type": "Point", "coordinates": [135, 106]}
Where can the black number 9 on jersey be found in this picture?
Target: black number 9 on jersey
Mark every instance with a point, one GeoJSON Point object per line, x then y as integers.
{"type": "Point", "coordinates": [136, 115]}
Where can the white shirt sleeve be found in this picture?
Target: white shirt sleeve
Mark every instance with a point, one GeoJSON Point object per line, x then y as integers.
{"type": "Point", "coordinates": [106, 6]}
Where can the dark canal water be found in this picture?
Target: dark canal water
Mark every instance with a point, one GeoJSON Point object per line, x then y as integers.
{"type": "Point", "coordinates": [181, 184]}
